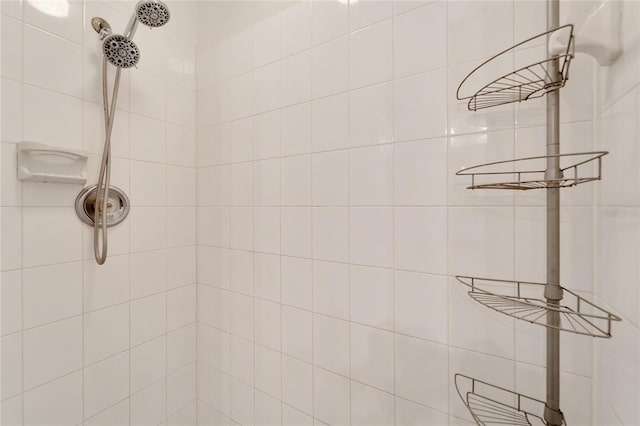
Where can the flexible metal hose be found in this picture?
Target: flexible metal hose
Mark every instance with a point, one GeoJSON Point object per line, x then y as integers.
{"type": "Point", "coordinates": [100, 242]}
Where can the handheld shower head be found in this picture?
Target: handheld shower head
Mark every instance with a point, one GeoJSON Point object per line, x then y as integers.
{"type": "Point", "coordinates": [152, 13]}
{"type": "Point", "coordinates": [120, 51]}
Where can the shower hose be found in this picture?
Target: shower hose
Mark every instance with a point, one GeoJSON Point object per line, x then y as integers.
{"type": "Point", "coordinates": [100, 242]}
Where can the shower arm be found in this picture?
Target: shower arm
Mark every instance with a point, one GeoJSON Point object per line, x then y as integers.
{"type": "Point", "coordinates": [131, 27]}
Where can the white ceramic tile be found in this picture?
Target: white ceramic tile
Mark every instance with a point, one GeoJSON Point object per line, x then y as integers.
{"type": "Point", "coordinates": [420, 309]}
{"type": "Point", "coordinates": [296, 72]}
{"type": "Point", "coordinates": [423, 382]}
{"type": "Point", "coordinates": [12, 245]}
{"type": "Point", "coordinates": [296, 231]}
{"type": "Point", "coordinates": [242, 402]}
{"type": "Point", "coordinates": [331, 233]}
{"type": "Point", "coordinates": [330, 175]}
{"type": "Point", "coordinates": [296, 130]}
{"type": "Point", "coordinates": [420, 238]}
{"type": "Point", "coordinates": [148, 95]}
{"type": "Point", "coordinates": [371, 176]}
{"type": "Point", "coordinates": [267, 276]}
{"type": "Point", "coordinates": [331, 398]}
{"type": "Point", "coordinates": [241, 181]}
{"type": "Point", "coordinates": [478, 29]}
{"type": "Point", "coordinates": [481, 242]}
{"type": "Point", "coordinates": [369, 405]}
{"type": "Point", "coordinates": [268, 324]}
{"type": "Point", "coordinates": [330, 68]}
{"type": "Point", "coordinates": [418, 40]}
{"type": "Point", "coordinates": [371, 296]}
{"type": "Point", "coordinates": [266, 184]}
{"type": "Point", "coordinates": [329, 19]}
{"type": "Point", "coordinates": [267, 409]}
{"type": "Point", "coordinates": [241, 228]}
{"type": "Point", "coordinates": [148, 363]}
{"type": "Point", "coordinates": [105, 383]}
{"type": "Point", "coordinates": [331, 344]}
{"type": "Point", "coordinates": [266, 40]}
{"type": "Point", "coordinates": [12, 410]}
{"type": "Point", "coordinates": [181, 307]}
{"type": "Point", "coordinates": [148, 184]}
{"type": "Point", "coordinates": [330, 123]}
{"type": "Point", "coordinates": [181, 388]}
{"type": "Point", "coordinates": [181, 186]}
{"type": "Point", "coordinates": [12, 111]}
{"type": "Point", "coordinates": [11, 48]}
{"type": "Point", "coordinates": [331, 289]}
{"type": "Point", "coordinates": [105, 285]}
{"type": "Point", "coordinates": [62, 19]}
{"type": "Point", "coordinates": [106, 332]}
{"type": "Point", "coordinates": [371, 236]}
{"type": "Point", "coordinates": [51, 293]}
{"type": "Point", "coordinates": [297, 333]}
{"type": "Point", "coordinates": [242, 316]}
{"type": "Point", "coordinates": [296, 180]}
{"type": "Point", "coordinates": [418, 97]}
{"type": "Point", "coordinates": [147, 228]}
{"type": "Point", "coordinates": [367, 12]}
{"type": "Point", "coordinates": [371, 55]}
{"type": "Point", "coordinates": [146, 277]}
{"type": "Point", "coordinates": [181, 106]}
{"type": "Point", "coordinates": [51, 351]}
{"type": "Point", "coordinates": [181, 347]}
{"type": "Point", "coordinates": [57, 402]}
{"type": "Point", "coordinates": [181, 266]}
{"type": "Point", "coordinates": [12, 365]}
{"type": "Point", "coordinates": [242, 360]}
{"type": "Point", "coordinates": [296, 27]}
{"type": "Point", "coordinates": [266, 91]}
{"type": "Point", "coordinates": [116, 414]}
{"type": "Point", "coordinates": [371, 115]}
{"type": "Point", "coordinates": [241, 272]}
{"type": "Point", "coordinates": [51, 235]}
{"type": "Point", "coordinates": [297, 387]}
{"type": "Point", "coordinates": [11, 299]}
{"type": "Point", "coordinates": [266, 133]}
{"type": "Point", "coordinates": [372, 357]}
{"type": "Point", "coordinates": [181, 62]}
{"type": "Point", "coordinates": [420, 173]}
{"type": "Point", "coordinates": [409, 413]}
{"type": "Point", "coordinates": [293, 417]}
{"type": "Point", "coordinates": [268, 371]}
{"type": "Point", "coordinates": [148, 318]}
{"type": "Point", "coordinates": [52, 118]}
{"type": "Point", "coordinates": [181, 146]}
{"type": "Point", "coordinates": [60, 75]}
{"type": "Point", "coordinates": [94, 135]}
{"type": "Point", "coordinates": [181, 226]}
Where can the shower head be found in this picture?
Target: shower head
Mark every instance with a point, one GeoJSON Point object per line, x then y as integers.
{"type": "Point", "coordinates": [152, 13]}
{"type": "Point", "coordinates": [120, 51]}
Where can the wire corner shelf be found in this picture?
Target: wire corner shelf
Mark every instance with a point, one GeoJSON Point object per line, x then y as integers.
{"type": "Point", "coordinates": [529, 82]}
{"type": "Point", "coordinates": [525, 301]}
{"type": "Point", "coordinates": [494, 405]}
{"type": "Point", "coordinates": [533, 174]}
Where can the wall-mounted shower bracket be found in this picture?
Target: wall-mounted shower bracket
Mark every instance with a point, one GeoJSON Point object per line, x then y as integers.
{"type": "Point", "coordinates": [599, 36]}
{"type": "Point", "coordinates": [101, 26]}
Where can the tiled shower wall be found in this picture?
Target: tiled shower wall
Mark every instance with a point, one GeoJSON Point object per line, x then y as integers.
{"type": "Point", "coordinates": [331, 222]}
{"type": "Point", "coordinates": [81, 343]}
{"type": "Point", "coordinates": [617, 230]}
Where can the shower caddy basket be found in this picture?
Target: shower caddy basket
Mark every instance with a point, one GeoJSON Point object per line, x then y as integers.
{"type": "Point", "coordinates": [537, 303]}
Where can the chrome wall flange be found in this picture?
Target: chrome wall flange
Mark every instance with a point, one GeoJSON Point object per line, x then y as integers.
{"type": "Point", "coordinates": [117, 205]}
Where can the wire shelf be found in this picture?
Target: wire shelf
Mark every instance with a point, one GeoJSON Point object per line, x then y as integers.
{"type": "Point", "coordinates": [531, 81]}
{"type": "Point", "coordinates": [493, 405]}
{"type": "Point", "coordinates": [526, 302]}
{"type": "Point", "coordinates": [533, 175]}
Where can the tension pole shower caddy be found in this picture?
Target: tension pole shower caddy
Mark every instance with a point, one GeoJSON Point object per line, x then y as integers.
{"type": "Point", "coordinates": [547, 304]}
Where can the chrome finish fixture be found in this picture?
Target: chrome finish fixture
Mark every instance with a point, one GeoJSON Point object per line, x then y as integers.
{"type": "Point", "coordinates": [494, 405]}
{"type": "Point", "coordinates": [502, 175]}
{"type": "Point", "coordinates": [120, 51]}
{"type": "Point", "coordinates": [101, 26]}
{"type": "Point", "coordinates": [152, 13]}
{"type": "Point", "coordinates": [525, 301]}
{"type": "Point", "coordinates": [117, 206]}
{"type": "Point", "coordinates": [529, 82]}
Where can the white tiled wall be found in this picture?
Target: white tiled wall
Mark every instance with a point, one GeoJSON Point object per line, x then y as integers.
{"type": "Point", "coordinates": [81, 343]}
{"type": "Point", "coordinates": [616, 232]}
{"type": "Point", "coordinates": [331, 222]}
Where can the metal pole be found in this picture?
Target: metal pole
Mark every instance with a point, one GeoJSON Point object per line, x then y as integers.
{"type": "Point", "coordinates": [553, 292]}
